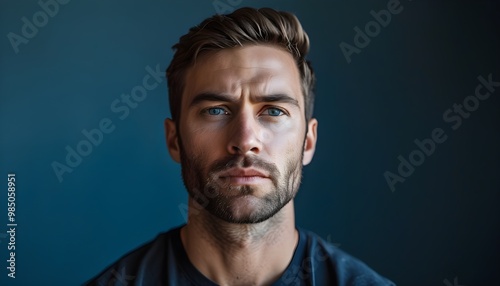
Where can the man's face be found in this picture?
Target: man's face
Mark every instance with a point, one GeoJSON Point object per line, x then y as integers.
{"type": "Point", "coordinates": [241, 135]}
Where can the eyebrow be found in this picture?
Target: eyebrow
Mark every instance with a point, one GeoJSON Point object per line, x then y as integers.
{"type": "Point", "coordinates": [209, 96]}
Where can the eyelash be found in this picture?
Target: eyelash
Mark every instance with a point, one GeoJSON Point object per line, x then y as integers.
{"type": "Point", "coordinates": [282, 112]}
{"type": "Point", "coordinates": [207, 111]}
{"type": "Point", "coordinates": [225, 112]}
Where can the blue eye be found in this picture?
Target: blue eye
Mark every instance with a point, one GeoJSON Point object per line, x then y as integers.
{"type": "Point", "coordinates": [274, 112]}
{"type": "Point", "coordinates": [216, 111]}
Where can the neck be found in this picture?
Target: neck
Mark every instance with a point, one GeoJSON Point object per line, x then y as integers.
{"type": "Point", "coordinates": [240, 254]}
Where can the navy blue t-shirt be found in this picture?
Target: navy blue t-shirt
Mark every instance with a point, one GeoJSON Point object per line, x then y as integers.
{"type": "Point", "coordinates": [164, 261]}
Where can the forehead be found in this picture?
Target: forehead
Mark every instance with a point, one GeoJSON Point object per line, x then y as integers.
{"type": "Point", "coordinates": [256, 69]}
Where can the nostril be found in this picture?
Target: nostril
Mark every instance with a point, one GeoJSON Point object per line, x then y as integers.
{"type": "Point", "coordinates": [241, 150]}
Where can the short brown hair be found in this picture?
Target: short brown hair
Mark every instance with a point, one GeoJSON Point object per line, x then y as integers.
{"type": "Point", "coordinates": [243, 26]}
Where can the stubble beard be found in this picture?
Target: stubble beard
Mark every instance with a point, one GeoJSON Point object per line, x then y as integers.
{"type": "Point", "coordinates": [224, 201]}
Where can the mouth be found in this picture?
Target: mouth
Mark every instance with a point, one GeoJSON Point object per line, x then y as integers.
{"type": "Point", "coordinates": [244, 176]}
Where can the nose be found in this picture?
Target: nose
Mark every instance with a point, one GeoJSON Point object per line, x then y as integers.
{"type": "Point", "coordinates": [244, 134]}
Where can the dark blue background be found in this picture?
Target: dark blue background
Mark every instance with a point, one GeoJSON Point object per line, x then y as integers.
{"type": "Point", "coordinates": [441, 223]}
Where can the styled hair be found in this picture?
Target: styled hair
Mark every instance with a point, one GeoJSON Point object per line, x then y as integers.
{"type": "Point", "coordinates": [245, 26]}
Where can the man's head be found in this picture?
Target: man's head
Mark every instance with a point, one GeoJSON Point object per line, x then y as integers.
{"type": "Point", "coordinates": [245, 26]}
{"type": "Point", "coordinates": [241, 101]}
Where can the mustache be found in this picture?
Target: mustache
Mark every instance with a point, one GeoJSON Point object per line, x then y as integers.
{"type": "Point", "coordinates": [242, 161]}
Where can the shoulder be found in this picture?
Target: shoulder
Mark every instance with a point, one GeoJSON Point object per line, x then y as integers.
{"type": "Point", "coordinates": [328, 263]}
{"type": "Point", "coordinates": [135, 264]}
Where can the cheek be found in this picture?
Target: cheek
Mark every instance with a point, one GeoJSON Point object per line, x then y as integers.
{"type": "Point", "coordinates": [202, 141]}
{"type": "Point", "coordinates": [283, 138]}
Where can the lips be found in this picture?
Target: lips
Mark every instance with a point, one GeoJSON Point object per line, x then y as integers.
{"type": "Point", "coordinates": [242, 173]}
{"type": "Point", "coordinates": [244, 177]}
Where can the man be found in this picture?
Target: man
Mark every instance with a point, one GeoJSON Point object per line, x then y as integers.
{"type": "Point", "coordinates": [241, 98]}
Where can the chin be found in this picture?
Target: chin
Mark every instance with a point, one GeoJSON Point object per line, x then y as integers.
{"type": "Point", "coordinates": [246, 209]}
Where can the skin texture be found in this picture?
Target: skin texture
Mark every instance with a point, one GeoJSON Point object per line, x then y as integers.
{"type": "Point", "coordinates": [241, 141]}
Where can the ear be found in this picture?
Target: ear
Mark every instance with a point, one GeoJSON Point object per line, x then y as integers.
{"type": "Point", "coordinates": [310, 142]}
{"type": "Point", "coordinates": [172, 140]}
